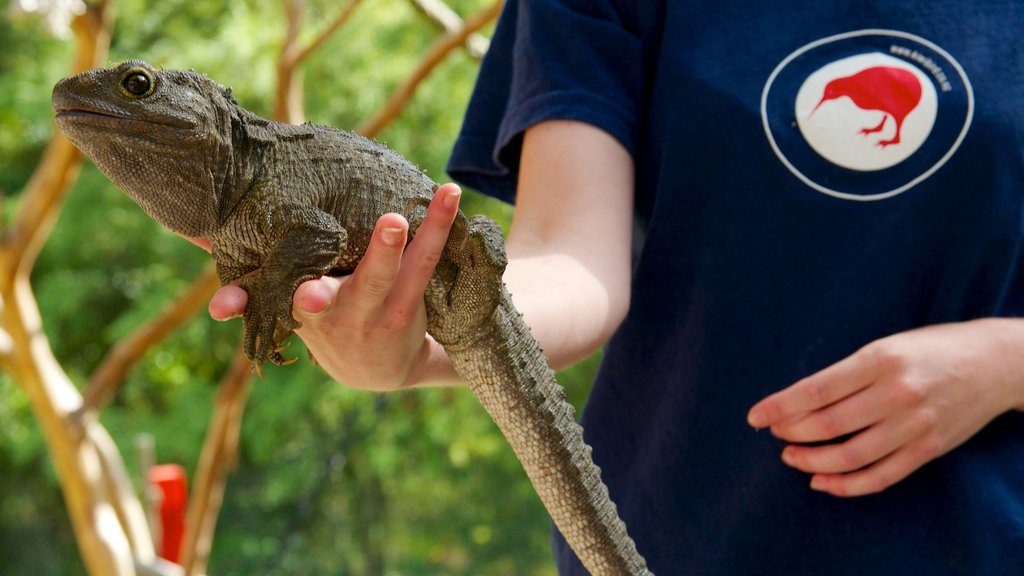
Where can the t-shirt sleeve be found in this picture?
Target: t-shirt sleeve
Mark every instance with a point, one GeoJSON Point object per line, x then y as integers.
{"type": "Point", "coordinates": [549, 60]}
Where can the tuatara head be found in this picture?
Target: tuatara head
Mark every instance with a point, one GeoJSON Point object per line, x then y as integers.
{"type": "Point", "coordinates": [163, 136]}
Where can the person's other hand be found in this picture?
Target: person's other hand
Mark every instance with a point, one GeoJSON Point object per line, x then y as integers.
{"type": "Point", "coordinates": [903, 400]}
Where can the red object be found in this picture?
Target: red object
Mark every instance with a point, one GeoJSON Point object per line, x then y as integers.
{"type": "Point", "coordinates": [173, 484]}
{"type": "Point", "coordinates": [893, 91]}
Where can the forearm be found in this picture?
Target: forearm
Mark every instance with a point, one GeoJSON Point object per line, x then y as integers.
{"type": "Point", "coordinates": [569, 244]}
{"type": "Point", "coordinates": [572, 314]}
{"type": "Point", "coordinates": [1008, 357]}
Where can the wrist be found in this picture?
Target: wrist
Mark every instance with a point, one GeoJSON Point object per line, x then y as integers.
{"type": "Point", "coordinates": [432, 368]}
{"type": "Point", "coordinates": [1008, 359]}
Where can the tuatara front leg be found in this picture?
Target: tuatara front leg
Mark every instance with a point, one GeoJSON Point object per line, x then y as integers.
{"type": "Point", "coordinates": [303, 243]}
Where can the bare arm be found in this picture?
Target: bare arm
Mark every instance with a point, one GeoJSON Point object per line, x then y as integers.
{"type": "Point", "coordinates": [568, 271]}
{"type": "Point", "coordinates": [569, 245]}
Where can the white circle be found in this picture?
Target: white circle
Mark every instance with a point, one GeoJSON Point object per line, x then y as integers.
{"type": "Point", "coordinates": [858, 138]}
{"type": "Point", "coordinates": [821, 187]}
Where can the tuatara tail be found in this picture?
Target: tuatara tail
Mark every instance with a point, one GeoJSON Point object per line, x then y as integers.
{"type": "Point", "coordinates": [512, 380]}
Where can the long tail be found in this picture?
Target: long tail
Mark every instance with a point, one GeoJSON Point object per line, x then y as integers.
{"type": "Point", "coordinates": [512, 380]}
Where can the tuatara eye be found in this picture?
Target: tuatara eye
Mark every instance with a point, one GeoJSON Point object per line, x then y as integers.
{"type": "Point", "coordinates": [137, 83]}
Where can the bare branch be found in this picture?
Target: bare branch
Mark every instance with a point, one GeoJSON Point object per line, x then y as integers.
{"type": "Point", "coordinates": [434, 56]}
{"type": "Point", "coordinates": [58, 169]}
{"type": "Point", "coordinates": [219, 454]}
{"type": "Point", "coordinates": [327, 32]}
{"type": "Point", "coordinates": [288, 106]}
{"type": "Point", "coordinates": [288, 103]}
{"type": "Point", "coordinates": [89, 472]}
{"type": "Point", "coordinates": [102, 540]}
{"type": "Point", "coordinates": [6, 343]}
{"type": "Point", "coordinates": [158, 567]}
{"type": "Point", "coordinates": [110, 374]}
{"type": "Point", "coordinates": [447, 20]}
{"type": "Point", "coordinates": [122, 496]}
{"type": "Point", "coordinates": [43, 194]}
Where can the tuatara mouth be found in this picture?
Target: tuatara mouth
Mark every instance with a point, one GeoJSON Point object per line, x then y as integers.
{"type": "Point", "coordinates": [72, 112]}
{"type": "Point", "coordinates": [73, 120]}
{"type": "Point", "coordinates": [108, 118]}
{"type": "Point", "coordinates": [66, 104]}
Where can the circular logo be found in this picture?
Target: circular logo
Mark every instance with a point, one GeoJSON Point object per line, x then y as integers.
{"type": "Point", "coordinates": [866, 115]}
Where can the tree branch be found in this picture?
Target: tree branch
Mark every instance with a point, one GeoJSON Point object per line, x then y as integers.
{"type": "Point", "coordinates": [102, 539]}
{"type": "Point", "coordinates": [326, 33]}
{"type": "Point", "coordinates": [122, 496]}
{"type": "Point", "coordinates": [447, 20]}
{"type": "Point", "coordinates": [43, 196]}
{"type": "Point", "coordinates": [434, 56]}
{"type": "Point", "coordinates": [110, 374]}
{"type": "Point", "coordinates": [6, 346]}
{"type": "Point", "coordinates": [288, 106]}
{"type": "Point", "coordinates": [219, 454]}
{"type": "Point", "coordinates": [6, 343]}
{"type": "Point", "coordinates": [106, 530]}
{"type": "Point", "coordinates": [158, 567]}
{"type": "Point", "coordinates": [58, 169]}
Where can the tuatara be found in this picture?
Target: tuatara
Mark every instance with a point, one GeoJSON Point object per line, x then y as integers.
{"type": "Point", "coordinates": [282, 204]}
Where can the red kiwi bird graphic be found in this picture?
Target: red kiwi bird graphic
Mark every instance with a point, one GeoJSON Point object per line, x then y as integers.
{"type": "Point", "coordinates": [893, 91]}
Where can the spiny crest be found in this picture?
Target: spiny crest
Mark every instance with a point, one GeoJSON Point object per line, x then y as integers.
{"type": "Point", "coordinates": [200, 82]}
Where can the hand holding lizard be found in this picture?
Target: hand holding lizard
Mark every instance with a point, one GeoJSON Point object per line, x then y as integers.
{"type": "Point", "coordinates": [368, 329]}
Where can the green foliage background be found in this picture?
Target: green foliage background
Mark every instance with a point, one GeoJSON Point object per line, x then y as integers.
{"type": "Point", "coordinates": [331, 481]}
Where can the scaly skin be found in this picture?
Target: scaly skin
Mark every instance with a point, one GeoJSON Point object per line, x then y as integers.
{"type": "Point", "coordinates": [283, 204]}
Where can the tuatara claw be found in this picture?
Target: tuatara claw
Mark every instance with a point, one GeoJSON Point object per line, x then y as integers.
{"type": "Point", "coordinates": [258, 370]}
{"type": "Point", "coordinates": [259, 342]}
{"type": "Point", "coordinates": [268, 321]}
{"type": "Point", "coordinates": [280, 360]}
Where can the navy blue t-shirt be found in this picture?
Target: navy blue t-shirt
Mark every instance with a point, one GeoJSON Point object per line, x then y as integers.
{"type": "Point", "coordinates": [811, 176]}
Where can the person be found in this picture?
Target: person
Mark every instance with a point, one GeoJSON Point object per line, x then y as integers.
{"type": "Point", "coordinates": [806, 217]}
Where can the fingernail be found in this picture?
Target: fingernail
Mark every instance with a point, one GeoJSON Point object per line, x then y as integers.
{"type": "Point", "coordinates": [451, 200]}
{"type": "Point", "coordinates": [232, 301]}
{"type": "Point", "coordinates": [818, 483]}
{"type": "Point", "coordinates": [224, 318]}
{"type": "Point", "coordinates": [756, 419]}
{"type": "Point", "coordinates": [311, 314]}
{"type": "Point", "coordinates": [392, 236]}
{"type": "Point", "coordinates": [787, 456]}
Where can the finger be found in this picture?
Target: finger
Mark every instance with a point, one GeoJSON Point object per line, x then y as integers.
{"type": "Point", "coordinates": [203, 243]}
{"type": "Point", "coordinates": [814, 392]}
{"type": "Point", "coordinates": [863, 449]}
{"type": "Point", "coordinates": [374, 276]}
{"type": "Point", "coordinates": [314, 297]}
{"type": "Point", "coordinates": [846, 416]}
{"type": "Point", "coordinates": [879, 476]}
{"type": "Point", "coordinates": [228, 302]}
{"type": "Point", "coordinates": [426, 248]}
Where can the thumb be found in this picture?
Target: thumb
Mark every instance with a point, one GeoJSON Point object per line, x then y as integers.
{"type": "Point", "coordinates": [314, 298]}
{"type": "Point", "coordinates": [228, 302]}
